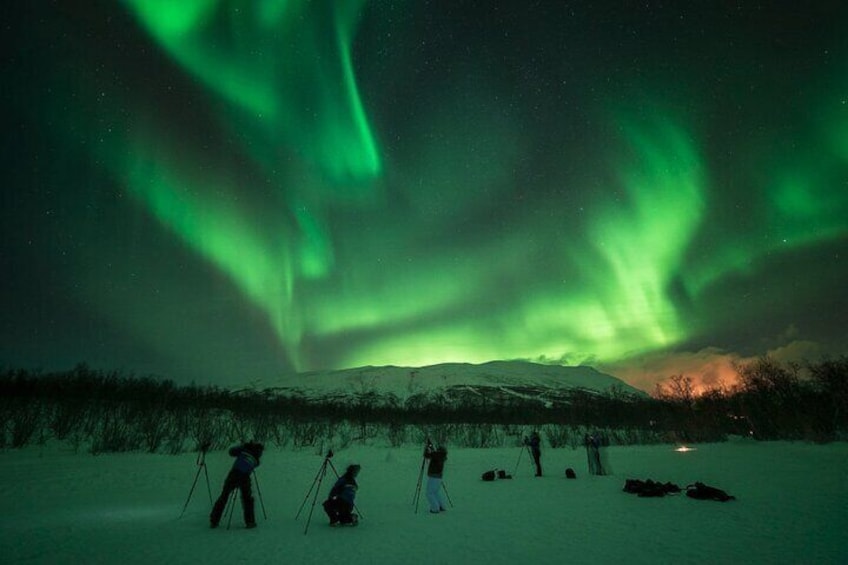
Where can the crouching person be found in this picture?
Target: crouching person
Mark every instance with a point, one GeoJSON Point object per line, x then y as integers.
{"type": "Point", "coordinates": [247, 459]}
{"type": "Point", "coordinates": [339, 505]}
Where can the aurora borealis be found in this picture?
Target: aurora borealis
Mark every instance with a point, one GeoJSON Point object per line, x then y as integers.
{"type": "Point", "coordinates": [228, 190]}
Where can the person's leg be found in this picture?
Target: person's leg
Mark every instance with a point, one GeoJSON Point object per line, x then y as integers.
{"type": "Point", "coordinates": [434, 492]}
{"type": "Point", "coordinates": [345, 515]}
{"type": "Point", "coordinates": [537, 458]}
{"type": "Point", "coordinates": [330, 509]}
{"type": "Point", "coordinates": [221, 503]}
{"type": "Point", "coordinates": [247, 501]}
{"type": "Point", "coordinates": [598, 465]}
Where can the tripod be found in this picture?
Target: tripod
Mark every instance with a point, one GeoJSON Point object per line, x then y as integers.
{"type": "Point", "coordinates": [520, 453]}
{"type": "Point", "coordinates": [201, 465]}
{"type": "Point", "coordinates": [416, 497]}
{"type": "Point", "coordinates": [316, 486]}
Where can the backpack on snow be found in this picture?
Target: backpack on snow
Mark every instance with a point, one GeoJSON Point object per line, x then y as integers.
{"type": "Point", "coordinates": [649, 488]}
{"type": "Point", "coordinates": [701, 491]}
{"type": "Point", "coordinates": [488, 476]}
{"type": "Point", "coordinates": [502, 475]}
{"type": "Point", "coordinates": [570, 474]}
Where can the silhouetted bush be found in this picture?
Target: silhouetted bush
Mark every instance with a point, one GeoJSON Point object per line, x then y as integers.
{"type": "Point", "coordinates": [109, 412]}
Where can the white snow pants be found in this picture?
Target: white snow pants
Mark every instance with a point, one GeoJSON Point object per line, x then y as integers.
{"type": "Point", "coordinates": [434, 494]}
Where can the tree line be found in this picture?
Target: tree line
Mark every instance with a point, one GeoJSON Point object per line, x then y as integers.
{"type": "Point", "coordinates": [107, 411]}
{"type": "Point", "coordinates": [771, 400]}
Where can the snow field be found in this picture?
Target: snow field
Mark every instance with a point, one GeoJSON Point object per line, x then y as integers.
{"type": "Point", "coordinates": [792, 507]}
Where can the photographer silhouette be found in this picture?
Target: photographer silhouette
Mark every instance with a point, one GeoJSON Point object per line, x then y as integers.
{"type": "Point", "coordinates": [340, 502]}
{"type": "Point", "coordinates": [247, 459]}
{"type": "Point", "coordinates": [435, 471]}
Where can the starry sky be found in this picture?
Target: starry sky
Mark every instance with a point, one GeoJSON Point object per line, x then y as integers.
{"type": "Point", "coordinates": [223, 191]}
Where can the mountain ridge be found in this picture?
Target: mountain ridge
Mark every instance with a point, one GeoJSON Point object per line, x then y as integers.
{"type": "Point", "coordinates": [453, 382]}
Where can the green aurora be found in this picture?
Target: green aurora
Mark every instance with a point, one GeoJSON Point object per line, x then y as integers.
{"type": "Point", "coordinates": [229, 190]}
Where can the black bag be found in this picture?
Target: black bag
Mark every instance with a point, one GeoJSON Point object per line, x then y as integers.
{"type": "Point", "coordinates": [701, 491]}
{"type": "Point", "coordinates": [488, 476]}
{"type": "Point", "coordinates": [502, 475]}
{"type": "Point", "coordinates": [633, 486]}
{"type": "Point", "coordinates": [570, 474]}
{"type": "Point", "coordinates": [649, 488]}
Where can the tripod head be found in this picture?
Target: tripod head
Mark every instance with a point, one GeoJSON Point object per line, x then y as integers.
{"type": "Point", "coordinates": [428, 447]}
{"type": "Point", "coordinates": [329, 454]}
{"type": "Point", "coordinates": [201, 455]}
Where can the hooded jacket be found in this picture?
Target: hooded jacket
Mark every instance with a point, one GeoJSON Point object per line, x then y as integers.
{"type": "Point", "coordinates": [437, 459]}
{"type": "Point", "coordinates": [345, 487]}
{"type": "Point", "coordinates": [247, 457]}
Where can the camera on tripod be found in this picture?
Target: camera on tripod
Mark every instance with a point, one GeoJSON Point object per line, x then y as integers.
{"type": "Point", "coordinates": [329, 454]}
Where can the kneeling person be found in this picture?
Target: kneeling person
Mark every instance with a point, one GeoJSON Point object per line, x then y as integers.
{"type": "Point", "coordinates": [339, 505]}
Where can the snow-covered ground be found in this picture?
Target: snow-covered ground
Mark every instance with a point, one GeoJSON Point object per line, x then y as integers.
{"type": "Point", "coordinates": [791, 507]}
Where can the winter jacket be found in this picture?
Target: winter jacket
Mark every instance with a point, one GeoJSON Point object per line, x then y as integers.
{"type": "Point", "coordinates": [247, 457]}
{"type": "Point", "coordinates": [437, 459]}
{"type": "Point", "coordinates": [345, 489]}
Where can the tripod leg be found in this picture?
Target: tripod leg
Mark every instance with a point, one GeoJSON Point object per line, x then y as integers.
{"type": "Point", "coordinates": [232, 506]}
{"type": "Point", "coordinates": [208, 486]}
{"type": "Point", "coordinates": [520, 453]}
{"type": "Point", "coordinates": [315, 481]}
{"type": "Point", "coordinates": [530, 458]}
{"type": "Point", "coordinates": [321, 474]}
{"type": "Point", "coordinates": [190, 492]}
{"type": "Point", "coordinates": [445, 488]}
{"type": "Point", "coordinates": [259, 492]}
{"type": "Point", "coordinates": [417, 495]}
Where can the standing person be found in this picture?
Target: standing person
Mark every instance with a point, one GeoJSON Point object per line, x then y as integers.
{"type": "Point", "coordinates": [535, 445]}
{"type": "Point", "coordinates": [435, 470]}
{"type": "Point", "coordinates": [247, 459]}
{"type": "Point", "coordinates": [340, 503]}
{"type": "Point", "coordinates": [593, 454]}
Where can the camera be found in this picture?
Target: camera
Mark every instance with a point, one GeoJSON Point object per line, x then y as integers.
{"type": "Point", "coordinates": [330, 454]}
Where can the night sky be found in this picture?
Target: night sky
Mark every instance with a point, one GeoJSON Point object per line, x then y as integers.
{"type": "Point", "coordinates": [225, 191]}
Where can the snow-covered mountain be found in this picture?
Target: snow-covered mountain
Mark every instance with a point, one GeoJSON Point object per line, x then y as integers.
{"type": "Point", "coordinates": [457, 383]}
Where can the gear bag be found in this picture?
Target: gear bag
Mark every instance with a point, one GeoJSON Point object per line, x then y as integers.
{"type": "Point", "coordinates": [701, 491]}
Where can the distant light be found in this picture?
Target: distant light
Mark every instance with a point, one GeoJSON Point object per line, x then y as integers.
{"type": "Point", "coordinates": [683, 449]}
